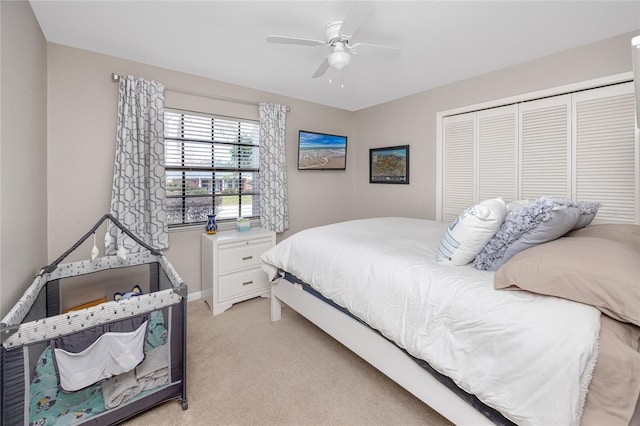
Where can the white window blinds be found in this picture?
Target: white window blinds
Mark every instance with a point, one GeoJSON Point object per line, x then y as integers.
{"type": "Point", "coordinates": [212, 166]}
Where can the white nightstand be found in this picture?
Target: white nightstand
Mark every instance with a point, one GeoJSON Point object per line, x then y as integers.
{"type": "Point", "coordinates": [231, 270]}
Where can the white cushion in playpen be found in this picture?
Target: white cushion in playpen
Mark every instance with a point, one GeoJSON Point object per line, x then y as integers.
{"type": "Point", "coordinates": [111, 354]}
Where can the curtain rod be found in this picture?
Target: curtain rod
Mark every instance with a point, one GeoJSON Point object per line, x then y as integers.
{"type": "Point", "coordinates": [116, 77]}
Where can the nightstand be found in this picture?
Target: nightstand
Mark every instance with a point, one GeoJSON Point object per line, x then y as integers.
{"type": "Point", "coordinates": [231, 270]}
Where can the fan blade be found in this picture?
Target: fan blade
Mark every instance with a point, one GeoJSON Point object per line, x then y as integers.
{"type": "Point", "coordinates": [324, 66]}
{"type": "Point", "coordinates": [357, 14]}
{"type": "Point", "coordinates": [294, 40]}
{"type": "Point", "coordinates": [386, 50]}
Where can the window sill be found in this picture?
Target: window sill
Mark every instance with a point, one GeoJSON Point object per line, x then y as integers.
{"type": "Point", "coordinates": [224, 226]}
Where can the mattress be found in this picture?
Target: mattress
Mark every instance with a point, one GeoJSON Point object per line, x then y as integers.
{"type": "Point", "coordinates": [530, 357]}
{"type": "Point", "coordinates": [497, 418]}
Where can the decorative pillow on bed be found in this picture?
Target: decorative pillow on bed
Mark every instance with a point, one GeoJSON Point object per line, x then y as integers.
{"type": "Point", "coordinates": [466, 236]}
{"type": "Point", "coordinates": [588, 211]}
{"type": "Point", "coordinates": [515, 207]}
{"type": "Point", "coordinates": [595, 271]}
{"type": "Point", "coordinates": [543, 220]}
{"type": "Point", "coordinates": [624, 233]}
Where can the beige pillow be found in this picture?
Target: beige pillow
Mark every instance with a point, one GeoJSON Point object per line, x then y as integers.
{"type": "Point", "coordinates": [596, 271]}
{"type": "Point", "coordinates": [624, 233]}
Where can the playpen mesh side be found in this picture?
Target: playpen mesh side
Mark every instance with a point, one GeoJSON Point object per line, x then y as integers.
{"type": "Point", "coordinates": [13, 385]}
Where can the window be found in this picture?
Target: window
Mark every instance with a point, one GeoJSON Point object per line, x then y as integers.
{"type": "Point", "coordinates": [212, 164]}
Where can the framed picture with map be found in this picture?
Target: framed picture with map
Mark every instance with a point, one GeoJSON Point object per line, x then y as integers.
{"type": "Point", "coordinates": [321, 151]}
{"type": "Point", "coordinates": [389, 165]}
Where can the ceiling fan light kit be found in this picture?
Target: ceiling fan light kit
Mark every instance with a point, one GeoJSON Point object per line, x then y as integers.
{"type": "Point", "coordinates": [339, 58]}
{"type": "Point", "coordinates": [337, 36]}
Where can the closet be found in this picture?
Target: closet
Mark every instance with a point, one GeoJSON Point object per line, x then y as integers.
{"type": "Point", "coordinates": [579, 145]}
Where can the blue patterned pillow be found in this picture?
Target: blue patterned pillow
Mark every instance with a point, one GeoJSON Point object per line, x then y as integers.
{"type": "Point", "coordinates": [540, 221]}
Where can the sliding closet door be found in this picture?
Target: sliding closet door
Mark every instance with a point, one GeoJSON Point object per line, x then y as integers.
{"type": "Point", "coordinates": [605, 152]}
{"type": "Point", "coordinates": [498, 153]}
{"type": "Point", "coordinates": [545, 147]}
{"type": "Point", "coordinates": [459, 164]}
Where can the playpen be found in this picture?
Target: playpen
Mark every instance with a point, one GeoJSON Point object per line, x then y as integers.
{"type": "Point", "coordinates": [69, 356]}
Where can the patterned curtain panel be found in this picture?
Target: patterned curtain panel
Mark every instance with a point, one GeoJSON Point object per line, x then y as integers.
{"type": "Point", "coordinates": [274, 204]}
{"type": "Point", "coordinates": [138, 194]}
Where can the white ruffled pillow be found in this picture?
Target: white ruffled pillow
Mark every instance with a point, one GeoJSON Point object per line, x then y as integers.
{"type": "Point", "coordinates": [469, 233]}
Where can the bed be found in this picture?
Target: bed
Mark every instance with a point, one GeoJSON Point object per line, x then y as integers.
{"type": "Point", "coordinates": [99, 362]}
{"type": "Point", "coordinates": [475, 353]}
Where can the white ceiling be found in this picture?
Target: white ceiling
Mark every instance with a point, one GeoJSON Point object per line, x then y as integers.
{"type": "Point", "coordinates": [441, 41]}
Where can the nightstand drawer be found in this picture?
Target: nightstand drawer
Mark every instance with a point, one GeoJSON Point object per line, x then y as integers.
{"type": "Point", "coordinates": [240, 283]}
{"type": "Point", "coordinates": [243, 255]}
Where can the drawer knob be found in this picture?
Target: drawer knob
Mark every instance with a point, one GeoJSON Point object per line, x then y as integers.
{"type": "Point", "coordinates": [247, 282]}
{"type": "Point", "coordinates": [247, 258]}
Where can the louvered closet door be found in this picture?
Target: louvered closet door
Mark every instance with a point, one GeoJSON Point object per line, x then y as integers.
{"type": "Point", "coordinates": [606, 158]}
{"type": "Point", "coordinates": [497, 153]}
{"type": "Point", "coordinates": [458, 164]}
{"type": "Point", "coordinates": [545, 147]}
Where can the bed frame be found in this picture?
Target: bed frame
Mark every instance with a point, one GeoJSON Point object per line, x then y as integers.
{"type": "Point", "coordinates": [376, 350]}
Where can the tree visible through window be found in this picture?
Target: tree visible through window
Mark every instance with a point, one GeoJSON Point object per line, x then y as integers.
{"type": "Point", "coordinates": [212, 165]}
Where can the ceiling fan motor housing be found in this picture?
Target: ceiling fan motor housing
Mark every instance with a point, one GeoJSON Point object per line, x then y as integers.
{"type": "Point", "coordinates": [332, 33]}
{"type": "Point", "coordinates": [340, 57]}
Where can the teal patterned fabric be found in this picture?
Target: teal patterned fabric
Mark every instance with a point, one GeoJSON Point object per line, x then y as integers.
{"type": "Point", "coordinates": [138, 193]}
{"type": "Point", "coordinates": [274, 204]}
{"type": "Point", "coordinates": [49, 405]}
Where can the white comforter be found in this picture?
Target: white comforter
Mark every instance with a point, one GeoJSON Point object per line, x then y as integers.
{"type": "Point", "coordinates": [528, 356]}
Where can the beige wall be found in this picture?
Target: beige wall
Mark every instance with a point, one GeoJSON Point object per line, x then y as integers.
{"type": "Point", "coordinates": [81, 105]}
{"type": "Point", "coordinates": [82, 110]}
{"type": "Point", "coordinates": [23, 102]}
{"type": "Point", "coordinates": [412, 120]}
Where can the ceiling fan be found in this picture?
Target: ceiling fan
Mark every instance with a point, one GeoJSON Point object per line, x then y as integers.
{"type": "Point", "coordinates": [338, 36]}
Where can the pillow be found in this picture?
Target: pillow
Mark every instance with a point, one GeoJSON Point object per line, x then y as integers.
{"type": "Point", "coordinates": [595, 271]}
{"type": "Point", "coordinates": [560, 223]}
{"type": "Point", "coordinates": [588, 211]}
{"type": "Point", "coordinates": [515, 207]}
{"type": "Point", "coordinates": [543, 220]}
{"type": "Point", "coordinates": [466, 236]}
{"type": "Point", "coordinates": [624, 233]}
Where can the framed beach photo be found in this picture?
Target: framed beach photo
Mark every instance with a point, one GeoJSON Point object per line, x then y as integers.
{"type": "Point", "coordinates": [321, 151]}
{"type": "Point", "coordinates": [389, 165]}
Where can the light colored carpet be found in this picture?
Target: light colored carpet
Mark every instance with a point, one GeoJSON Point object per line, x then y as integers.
{"type": "Point", "coordinates": [243, 369]}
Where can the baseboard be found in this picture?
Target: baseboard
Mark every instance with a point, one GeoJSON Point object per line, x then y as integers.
{"type": "Point", "coordinates": [194, 296]}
